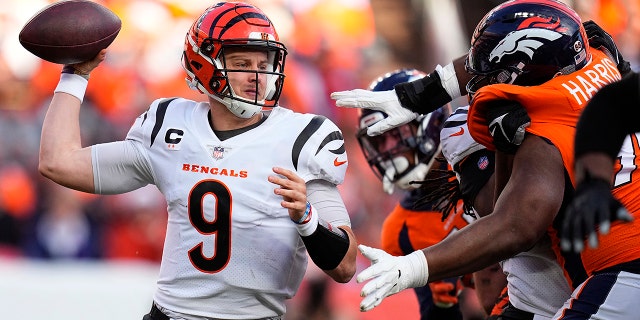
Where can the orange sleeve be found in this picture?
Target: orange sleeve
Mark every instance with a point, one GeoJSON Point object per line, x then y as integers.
{"type": "Point", "coordinates": [405, 230]}
{"type": "Point", "coordinates": [554, 107]}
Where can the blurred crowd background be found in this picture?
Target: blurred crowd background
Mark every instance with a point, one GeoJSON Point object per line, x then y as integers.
{"type": "Point", "coordinates": [333, 45]}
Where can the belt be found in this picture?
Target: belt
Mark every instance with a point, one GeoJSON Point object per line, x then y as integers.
{"type": "Point", "coordinates": [156, 314]}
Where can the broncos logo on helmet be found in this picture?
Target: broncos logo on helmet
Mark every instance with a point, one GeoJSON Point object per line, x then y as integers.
{"type": "Point", "coordinates": [525, 41]}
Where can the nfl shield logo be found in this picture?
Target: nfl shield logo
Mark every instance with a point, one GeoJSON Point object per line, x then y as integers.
{"type": "Point", "coordinates": [483, 162]}
{"type": "Point", "coordinates": [218, 153]}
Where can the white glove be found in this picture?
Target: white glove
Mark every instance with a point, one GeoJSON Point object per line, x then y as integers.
{"type": "Point", "coordinates": [385, 101]}
{"type": "Point", "coordinates": [390, 275]}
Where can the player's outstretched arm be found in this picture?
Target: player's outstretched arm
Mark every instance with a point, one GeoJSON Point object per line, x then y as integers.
{"type": "Point", "coordinates": [523, 212]}
{"type": "Point", "coordinates": [410, 99]}
{"type": "Point", "coordinates": [62, 157]}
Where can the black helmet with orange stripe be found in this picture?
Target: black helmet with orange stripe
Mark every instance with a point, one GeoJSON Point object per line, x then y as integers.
{"type": "Point", "coordinates": [526, 42]}
{"type": "Point", "coordinates": [234, 26]}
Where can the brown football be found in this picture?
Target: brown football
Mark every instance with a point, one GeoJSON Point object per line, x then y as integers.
{"type": "Point", "coordinates": [71, 31]}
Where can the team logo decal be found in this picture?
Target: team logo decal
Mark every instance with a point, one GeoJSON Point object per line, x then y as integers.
{"type": "Point", "coordinates": [526, 41]}
{"type": "Point", "coordinates": [217, 152]}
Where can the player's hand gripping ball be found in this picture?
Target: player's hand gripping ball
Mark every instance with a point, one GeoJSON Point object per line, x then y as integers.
{"type": "Point", "coordinates": [70, 32]}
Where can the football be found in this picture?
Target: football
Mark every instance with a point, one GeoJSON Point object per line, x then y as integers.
{"type": "Point", "coordinates": [70, 31]}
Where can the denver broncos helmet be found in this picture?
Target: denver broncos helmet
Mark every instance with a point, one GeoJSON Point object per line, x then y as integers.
{"type": "Point", "coordinates": [221, 27]}
{"type": "Point", "coordinates": [526, 42]}
{"type": "Point", "coordinates": [405, 153]}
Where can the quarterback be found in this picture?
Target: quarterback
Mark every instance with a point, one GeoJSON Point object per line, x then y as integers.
{"type": "Point", "coordinates": [251, 187]}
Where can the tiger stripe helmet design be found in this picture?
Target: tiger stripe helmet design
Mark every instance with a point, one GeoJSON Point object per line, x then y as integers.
{"type": "Point", "coordinates": [237, 25]}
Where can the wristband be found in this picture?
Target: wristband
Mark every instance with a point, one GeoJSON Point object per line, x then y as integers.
{"type": "Point", "coordinates": [449, 80]}
{"type": "Point", "coordinates": [423, 95]}
{"type": "Point", "coordinates": [306, 216]}
{"type": "Point", "coordinates": [72, 84]}
{"type": "Point", "coordinates": [419, 269]}
{"type": "Point", "coordinates": [309, 221]}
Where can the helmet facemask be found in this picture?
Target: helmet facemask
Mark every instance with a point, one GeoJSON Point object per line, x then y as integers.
{"type": "Point", "coordinates": [266, 90]}
{"type": "Point", "coordinates": [405, 154]}
{"type": "Point", "coordinates": [222, 30]}
{"type": "Point", "coordinates": [508, 75]}
{"type": "Point", "coordinates": [382, 151]}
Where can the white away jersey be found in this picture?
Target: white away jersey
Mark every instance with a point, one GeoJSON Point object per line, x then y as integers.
{"type": "Point", "coordinates": [536, 282]}
{"type": "Point", "coordinates": [455, 138]}
{"type": "Point", "coordinates": [231, 250]}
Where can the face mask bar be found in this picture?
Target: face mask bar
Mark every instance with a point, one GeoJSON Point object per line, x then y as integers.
{"type": "Point", "coordinates": [273, 72]}
{"type": "Point", "coordinates": [507, 76]}
{"type": "Point", "coordinates": [379, 157]}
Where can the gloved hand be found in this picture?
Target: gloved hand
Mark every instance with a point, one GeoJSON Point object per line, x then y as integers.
{"type": "Point", "coordinates": [592, 205]}
{"type": "Point", "coordinates": [598, 38]}
{"type": "Point", "coordinates": [390, 275]}
{"type": "Point", "coordinates": [507, 123]}
{"type": "Point", "coordinates": [445, 294]}
{"type": "Point", "coordinates": [385, 101]}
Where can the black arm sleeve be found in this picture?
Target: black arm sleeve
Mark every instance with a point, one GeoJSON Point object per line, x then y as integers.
{"type": "Point", "coordinates": [327, 246]}
{"type": "Point", "coordinates": [610, 116]}
{"type": "Point", "coordinates": [423, 95]}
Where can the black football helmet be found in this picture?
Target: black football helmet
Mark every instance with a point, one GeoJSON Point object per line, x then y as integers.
{"type": "Point", "coordinates": [403, 154]}
{"type": "Point", "coordinates": [526, 42]}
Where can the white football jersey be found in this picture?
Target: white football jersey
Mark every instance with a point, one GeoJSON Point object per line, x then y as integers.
{"type": "Point", "coordinates": [455, 139]}
{"type": "Point", "coordinates": [536, 282]}
{"type": "Point", "coordinates": [231, 250]}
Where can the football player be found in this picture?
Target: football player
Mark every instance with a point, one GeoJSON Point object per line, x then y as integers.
{"type": "Point", "coordinates": [474, 165]}
{"type": "Point", "coordinates": [251, 187]}
{"type": "Point", "coordinates": [399, 158]}
{"type": "Point", "coordinates": [532, 66]}
{"type": "Point", "coordinates": [602, 223]}
{"type": "Point", "coordinates": [407, 100]}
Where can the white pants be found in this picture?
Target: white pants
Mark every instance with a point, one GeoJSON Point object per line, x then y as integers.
{"type": "Point", "coordinates": [605, 296]}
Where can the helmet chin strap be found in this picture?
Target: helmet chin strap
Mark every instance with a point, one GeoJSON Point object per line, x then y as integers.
{"type": "Point", "coordinates": [387, 185]}
{"type": "Point", "coordinates": [416, 174]}
{"type": "Point", "coordinates": [239, 108]}
{"type": "Point", "coordinates": [400, 164]}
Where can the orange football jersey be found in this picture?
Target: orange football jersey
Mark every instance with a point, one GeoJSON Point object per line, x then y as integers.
{"type": "Point", "coordinates": [405, 230]}
{"type": "Point", "coordinates": [554, 108]}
